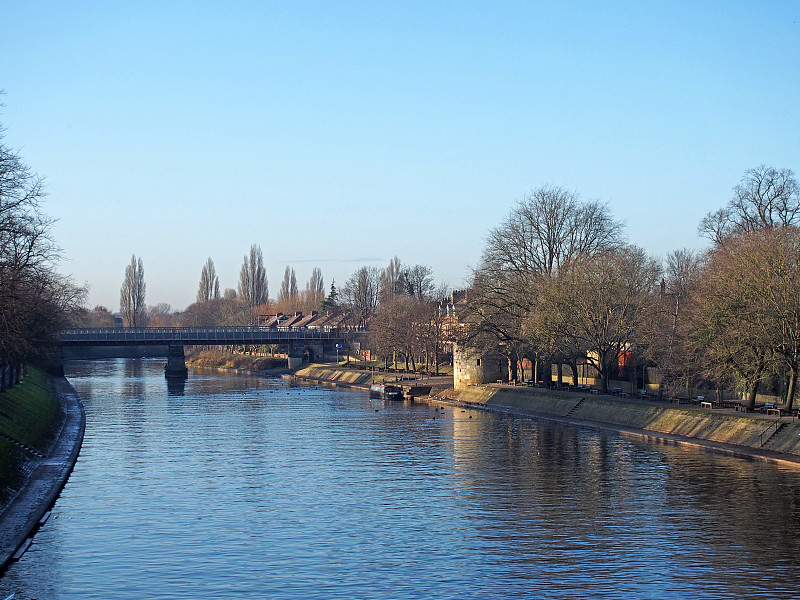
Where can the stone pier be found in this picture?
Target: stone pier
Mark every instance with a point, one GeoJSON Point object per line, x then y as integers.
{"type": "Point", "coordinates": [176, 363]}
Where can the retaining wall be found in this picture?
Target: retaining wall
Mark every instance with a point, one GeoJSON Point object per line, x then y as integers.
{"type": "Point", "coordinates": [749, 431]}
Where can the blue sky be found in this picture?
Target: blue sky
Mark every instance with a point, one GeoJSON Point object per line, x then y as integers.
{"type": "Point", "coordinates": [340, 134]}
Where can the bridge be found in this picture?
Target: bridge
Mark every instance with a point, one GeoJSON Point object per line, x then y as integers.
{"type": "Point", "coordinates": [299, 340]}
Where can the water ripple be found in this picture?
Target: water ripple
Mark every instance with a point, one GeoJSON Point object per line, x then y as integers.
{"type": "Point", "coordinates": [245, 487]}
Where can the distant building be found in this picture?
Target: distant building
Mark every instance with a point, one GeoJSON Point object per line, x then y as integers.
{"type": "Point", "coordinates": [450, 310]}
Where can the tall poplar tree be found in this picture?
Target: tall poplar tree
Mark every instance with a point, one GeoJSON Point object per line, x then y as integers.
{"type": "Point", "coordinates": [315, 289]}
{"type": "Point", "coordinates": [209, 283]}
{"type": "Point", "coordinates": [288, 291]}
{"type": "Point", "coordinates": [132, 295]}
{"type": "Point", "coordinates": [253, 285]}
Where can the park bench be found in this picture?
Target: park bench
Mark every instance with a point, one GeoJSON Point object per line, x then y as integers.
{"type": "Point", "coordinates": [767, 407]}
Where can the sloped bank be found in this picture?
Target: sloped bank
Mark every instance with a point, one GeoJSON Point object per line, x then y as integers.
{"type": "Point", "coordinates": [746, 435]}
{"type": "Point", "coordinates": [336, 377]}
{"type": "Point", "coordinates": [45, 475]}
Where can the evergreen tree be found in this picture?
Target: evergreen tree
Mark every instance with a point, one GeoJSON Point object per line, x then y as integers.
{"type": "Point", "coordinates": [331, 303]}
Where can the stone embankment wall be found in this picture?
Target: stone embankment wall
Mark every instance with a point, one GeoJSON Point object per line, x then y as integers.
{"type": "Point", "coordinates": [343, 377]}
{"type": "Point", "coordinates": [738, 433]}
{"type": "Point", "coordinates": [739, 430]}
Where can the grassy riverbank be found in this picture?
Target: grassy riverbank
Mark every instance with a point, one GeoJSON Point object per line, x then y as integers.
{"type": "Point", "coordinates": [30, 415]}
{"type": "Point", "coordinates": [226, 360]}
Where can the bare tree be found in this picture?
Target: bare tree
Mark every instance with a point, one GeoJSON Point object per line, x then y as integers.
{"type": "Point", "coordinates": [765, 198]}
{"type": "Point", "coordinates": [418, 281]}
{"type": "Point", "coordinates": [253, 285]}
{"type": "Point", "coordinates": [546, 232]}
{"type": "Point", "coordinates": [35, 302]}
{"type": "Point", "coordinates": [391, 328]}
{"type": "Point", "coordinates": [315, 289]}
{"type": "Point", "coordinates": [132, 295]}
{"type": "Point", "coordinates": [549, 229]}
{"type": "Point", "coordinates": [407, 326]}
{"type": "Point", "coordinates": [99, 316]}
{"type": "Point", "coordinates": [209, 283]}
{"type": "Point", "coordinates": [288, 292]}
{"type": "Point", "coordinates": [597, 304]}
{"type": "Point", "coordinates": [361, 292]}
{"type": "Point", "coordinates": [221, 312]}
{"type": "Point", "coordinates": [161, 315]}
{"type": "Point", "coordinates": [748, 322]}
{"type": "Point", "coordinates": [391, 280]}
{"type": "Point", "coordinates": [664, 339]}
{"type": "Point", "coordinates": [202, 314]}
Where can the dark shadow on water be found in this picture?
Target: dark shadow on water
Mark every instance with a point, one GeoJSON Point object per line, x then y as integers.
{"type": "Point", "coordinates": [175, 386]}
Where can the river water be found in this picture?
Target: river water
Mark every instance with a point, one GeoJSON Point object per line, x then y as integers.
{"type": "Point", "coordinates": [245, 487]}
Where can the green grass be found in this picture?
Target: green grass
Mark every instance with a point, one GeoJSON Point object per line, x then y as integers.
{"type": "Point", "coordinates": [29, 413]}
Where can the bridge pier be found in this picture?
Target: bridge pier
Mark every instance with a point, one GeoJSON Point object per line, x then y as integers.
{"type": "Point", "coordinates": [176, 363]}
{"type": "Point", "coordinates": [295, 360]}
{"type": "Point", "coordinates": [303, 352]}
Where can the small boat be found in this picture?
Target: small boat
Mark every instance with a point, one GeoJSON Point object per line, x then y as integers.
{"type": "Point", "coordinates": [386, 391]}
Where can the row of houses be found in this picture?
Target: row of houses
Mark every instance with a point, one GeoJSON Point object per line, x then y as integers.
{"type": "Point", "coordinates": [298, 320]}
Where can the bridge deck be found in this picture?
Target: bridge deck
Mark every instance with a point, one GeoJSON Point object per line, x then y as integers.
{"type": "Point", "coordinates": [199, 336]}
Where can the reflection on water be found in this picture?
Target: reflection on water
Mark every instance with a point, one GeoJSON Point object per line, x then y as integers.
{"type": "Point", "coordinates": [176, 386]}
{"type": "Point", "coordinates": [243, 487]}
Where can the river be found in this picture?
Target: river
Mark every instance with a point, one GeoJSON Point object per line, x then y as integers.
{"type": "Point", "coordinates": [234, 486]}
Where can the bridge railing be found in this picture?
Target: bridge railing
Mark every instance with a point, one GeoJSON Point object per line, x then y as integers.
{"type": "Point", "coordinates": [199, 335]}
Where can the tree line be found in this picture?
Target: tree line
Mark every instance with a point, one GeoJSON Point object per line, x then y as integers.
{"type": "Point", "coordinates": [36, 302]}
{"type": "Point", "coordinates": [399, 304]}
{"type": "Point", "coordinates": [558, 283]}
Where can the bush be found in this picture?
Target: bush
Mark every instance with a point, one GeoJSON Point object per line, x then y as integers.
{"type": "Point", "coordinates": [226, 360]}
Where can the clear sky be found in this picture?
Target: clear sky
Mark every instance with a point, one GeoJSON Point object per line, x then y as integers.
{"type": "Point", "coordinates": [340, 134]}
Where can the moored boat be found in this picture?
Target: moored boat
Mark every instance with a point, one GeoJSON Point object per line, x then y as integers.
{"type": "Point", "coordinates": [386, 391]}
